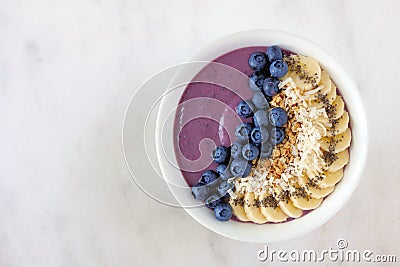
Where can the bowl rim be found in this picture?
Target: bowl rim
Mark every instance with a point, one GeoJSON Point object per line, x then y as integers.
{"type": "Point", "coordinates": [265, 233]}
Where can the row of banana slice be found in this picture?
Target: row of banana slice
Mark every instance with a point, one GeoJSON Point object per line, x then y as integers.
{"type": "Point", "coordinates": [294, 206]}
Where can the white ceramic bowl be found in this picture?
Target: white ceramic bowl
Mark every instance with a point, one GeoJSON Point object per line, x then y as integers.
{"type": "Point", "coordinates": [358, 152]}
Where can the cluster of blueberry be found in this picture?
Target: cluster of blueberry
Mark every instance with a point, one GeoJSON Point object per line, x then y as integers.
{"type": "Point", "coordinates": [268, 67]}
{"type": "Point", "coordinates": [212, 188]}
{"type": "Point", "coordinates": [254, 140]}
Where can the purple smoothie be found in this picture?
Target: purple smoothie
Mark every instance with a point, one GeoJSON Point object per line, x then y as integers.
{"type": "Point", "coordinates": [189, 132]}
{"type": "Point", "coordinates": [188, 136]}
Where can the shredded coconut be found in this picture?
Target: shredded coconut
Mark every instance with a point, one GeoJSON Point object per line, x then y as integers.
{"type": "Point", "coordinates": [311, 92]}
{"type": "Point", "coordinates": [232, 194]}
{"type": "Point", "coordinates": [307, 154]}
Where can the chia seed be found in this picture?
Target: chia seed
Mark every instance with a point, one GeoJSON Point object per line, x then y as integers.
{"type": "Point", "coordinates": [270, 202]}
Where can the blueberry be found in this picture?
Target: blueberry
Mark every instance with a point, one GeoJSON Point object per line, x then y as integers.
{"type": "Point", "coordinates": [256, 81]}
{"type": "Point", "coordinates": [243, 131]}
{"type": "Point", "coordinates": [220, 154]}
{"type": "Point", "coordinates": [260, 101]}
{"type": "Point", "coordinates": [221, 169]}
{"type": "Point", "coordinates": [277, 135]}
{"type": "Point", "coordinates": [244, 110]}
{"type": "Point", "coordinates": [240, 168]}
{"type": "Point", "coordinates": [266, 150]}
{"type": "Point", "coordinates": [258, 61]}
{"type": "Point", "coordinates": [274, 53]}
{"type": "Point", "coordinates": [236, 150]}
{"type": "Point", "coordinates": [247, 170]}
{"type": "Point", "coordinates": [250, 151]}
{"type": "Point", "coordinates": [278, 68]}
{"type": "Point", "coordinates": [208, 176]}
{"type": "Point", "coordinates": [271, 86]}
{"type": "Point", "coordinates": [264, 133]}
{"type": "Point", "coordinates": [213, 201]}
{"type": "Point", "coordinates": [200, 191]}
{"type": "Point", "coordinates": [261, 118]}
{"type": "Point", "coordinates": [226, 198]}
{"type": "Point", "coordinates": [224, 187]}
{"type": "Point", "coordinates": [224, 172]}
{"type": "Point", "coordinates": [278, 117]}
{"type": "Point", "coordinates": [258, 135]}
{"type": "Point", "coordinates": [223, 212]}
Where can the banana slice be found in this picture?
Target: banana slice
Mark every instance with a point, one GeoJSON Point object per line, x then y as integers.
{"type": "Point", "coordinates": [238, 210]}
{"type": "Point", "coordinates": [315, 104]}
{"type": "Point", "coordinates": [339, 105]}
{"type": "Point", "coordinates": [312, 191]}
{"type": "Point", "coordinates": [273, 214]}
{"type": "Point", "coordinates": [341, 126]}
{"type": "Point", "coordinates": [342, 140]}
{"type": "Point", "coordinates": [321, 128]}
{"type": "Point", "coordinates": [340, 162]}
{"type": "Point", "coordinates": [308, 67]}
{"type": "Point", "coordinates": [326, 85]}
{"type": "Point", "coordinates": [287, 206]}
{"type": "Point", "coordinates": [303, 201]}
{"type": "Point", "coordinates": [306, 203]}
{"type": "Point", "coordinates": [331, 96]}
{"type": "Point", "coordinates": [331, 179]}
{"type": "Point", "coordinates": [289, 209]}
{"type": "Point", "coordinates": [324, 121]}
{"type": "Point", "coordinates": [253, 212]}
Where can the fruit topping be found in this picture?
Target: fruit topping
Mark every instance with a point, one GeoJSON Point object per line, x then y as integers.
{"type": "Point", "coordinates": [266, 150]}
{"type": "Point", "coordinates": [208, 177]}
{"type": "Point", "coordinates": [243, 131]}
{"type": "Point", "coordinates": [220, 154]}
{"type": "Point", "coordinates": [261, 118]}
{"type": "Point", "coordinates": [223, 212]}
{"type": "Point", "coordinates": [278, 117]}
{"type": "Point", "coordinates": [224, 172]}
{"type": "Point", "coordinates": [244, 110]}
{"type": "Point", "coordinates": [223, 187]}
{"type": "Point", "coordinates": [256, 135]}
{"type": "Point", "coordinates": [278, 68]}
{"type": "Point", "coordinates": [258, 61]}
{"type": "Point", "coordinates": [236, 150]}
{"type": "Point", "coordinates": [213, 201]}
{"type": "Point", "coordinates": [256, 81]}
{"type": "Point", "coordinates": [277, 135]}
{"type": "Point", "coordinates": [200, 191]}
{"type": "Point", "coordinates": [274, 53]}
{"type": "Point", "coordinates": [250, 151]}
{"type": "Point", "coordinates": [270, 86]}
{"type": "Point", "coordinates": [260, 101]}
{"type": "Point", "coordinates": [240, 168]}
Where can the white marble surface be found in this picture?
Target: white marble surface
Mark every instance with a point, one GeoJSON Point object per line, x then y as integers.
{"type": "Point", "coordinates": [67, 72]}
